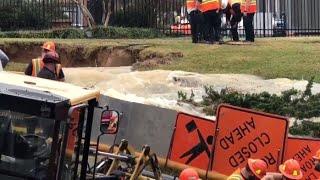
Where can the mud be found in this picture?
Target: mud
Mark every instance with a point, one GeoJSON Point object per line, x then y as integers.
{"type": "Point", "coordinates": [77, 56]}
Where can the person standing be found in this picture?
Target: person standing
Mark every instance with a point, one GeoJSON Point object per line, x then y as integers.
{"type": "Point", "coordinates": [234, 9]}
{"type": "Point", "coordinates": [194, 19]}
{"type": "Point", "coordinates": [210, 10]}
{"type": "Point", "coordinates": [51, 68]}
{"type": "Point", "coordinates": [37, 64]}
{"type": "Point", "coordinates": [249, 8]}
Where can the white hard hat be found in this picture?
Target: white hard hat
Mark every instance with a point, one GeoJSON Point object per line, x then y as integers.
{"type": "Point", "coordinates": [224, 4]}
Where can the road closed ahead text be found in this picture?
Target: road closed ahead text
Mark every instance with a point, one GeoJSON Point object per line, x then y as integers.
{"type": "Point", "coordinates": [245, 134]}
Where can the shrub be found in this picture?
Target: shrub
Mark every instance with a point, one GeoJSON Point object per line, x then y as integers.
{"type": "Point", "coordinates": [69, 34]}
{"type": "Point", "coordinates": [291, 103]}
{"type": "Point", "coordinates": [98, 33]}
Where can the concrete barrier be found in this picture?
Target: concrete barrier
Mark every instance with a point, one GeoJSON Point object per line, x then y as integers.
{"type": "Point", "coordinates": [141, 124]}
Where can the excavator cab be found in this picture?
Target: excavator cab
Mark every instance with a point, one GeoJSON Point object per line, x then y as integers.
{"type": "Point", "coordinates": [45, 128]}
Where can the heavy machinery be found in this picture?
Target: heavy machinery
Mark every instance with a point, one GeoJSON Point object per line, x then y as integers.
{"type": "Point", "coordinates": [45, 128]}
{"type": "Point", "coordinates": [45, 133]}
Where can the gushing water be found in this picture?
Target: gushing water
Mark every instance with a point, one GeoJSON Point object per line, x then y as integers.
{"type": "Point", "coordinates": [159, 87]}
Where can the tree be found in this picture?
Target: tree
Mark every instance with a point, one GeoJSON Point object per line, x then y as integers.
{"type": "Point", "coordinates": [107, 11]}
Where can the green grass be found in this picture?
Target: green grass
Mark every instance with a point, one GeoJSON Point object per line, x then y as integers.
{"type": "Point", "coordinates": [294, 58]}
{"type": "Point", "coordinates": [297, 58]}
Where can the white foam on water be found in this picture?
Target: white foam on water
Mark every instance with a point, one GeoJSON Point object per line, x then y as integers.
{"type": "Point", "coordinates": [160, 88]}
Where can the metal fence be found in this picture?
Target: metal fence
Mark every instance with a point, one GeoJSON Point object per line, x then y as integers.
{"type": "Point", "coordinates": [39, 14]}
{"type": "Point", "coordinates": [274, 17]}
{"type": "Point", "coordinates": [287, 17]}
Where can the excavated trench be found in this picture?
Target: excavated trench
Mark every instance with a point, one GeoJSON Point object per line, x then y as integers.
{"type": "Point", "coordinates": [79, 55]}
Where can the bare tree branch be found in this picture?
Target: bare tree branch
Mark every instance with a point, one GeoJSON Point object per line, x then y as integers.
{"type": "Point", "coordinates": [86, 13]}
{"type": "Point", "coordinates": [104, 12]}
{"type": "Point", "coordinates": [106, 22]}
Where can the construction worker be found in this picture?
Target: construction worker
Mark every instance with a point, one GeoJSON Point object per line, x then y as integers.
{"type": "Point", "coordinates": [211, 13]}
{"type": "Point", "coordinates": [290, 169]}
{"type": "Point", "coordinates": [51, 67]}
{"type": "Point", "coordinates": [255, 169]}
{"type": "Point", "coordinates": [194, 18]}
{"type": "Point", "coordinates": [249, 8]}
{"type": "Point", "coordinates": [234, 9]}
{"type": "Point", "coordinates": [189, 174]}
{"type": "Point", "coordinates": [37, 64]}
{"type": "Point", "coordinates": [3, 59]}
{"type": "Point", "coordinates": [317, 161]}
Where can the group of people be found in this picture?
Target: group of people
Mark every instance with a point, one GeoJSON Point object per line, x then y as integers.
{"type": "Point", "coordinates": [205, 19]}
{"type": "Point", "coordinates": [47, 66]}
{"type": "Point", "coordinates": [257, 169]}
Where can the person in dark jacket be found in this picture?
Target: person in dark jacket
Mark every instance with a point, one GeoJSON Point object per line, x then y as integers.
{"type": "Point", "coordinates": [194, 18]}
{"type": "Point", "coordinates": [234, 9]}
{"type": "Point", "coordinates": [52, 67]}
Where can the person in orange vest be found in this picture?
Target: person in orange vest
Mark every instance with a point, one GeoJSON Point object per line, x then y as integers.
{"type": "Point", "coordinates": [189, 174]}
{"type": "Point", "coordinates": [37, 64]}
{"type": "Point", "coordinates": [211, 13]}
{"type": "Point", "coordinates": [51, 66]}
{"type": "Point", "coordinates": [249, 8]}
{"type": "Point", "coordinates": [317, 161]}
{"type": "Point", "coordinates": [255, 169]}
{"type": "Point", "coordinates": [194, 18]}
{"type": "Point", "coordinates": [234, 9]}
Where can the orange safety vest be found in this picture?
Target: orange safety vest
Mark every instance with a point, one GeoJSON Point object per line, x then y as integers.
{"type": "Point", "coordinates": [191, 5]}
{"type": "Point", "coordinates": [37, 65]}
{"type": "Point", "coordinates": [236, 175]}
{"type": "Point", "coordinates": [208, 5]}
{"type": "Point", "coordinates": [251, 8]}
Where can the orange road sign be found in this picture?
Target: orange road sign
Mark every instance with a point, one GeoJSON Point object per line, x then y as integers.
{"type": "Point", "coordinates": [192, 141]}
{"type": "Point", "coordinates": [243, 133]}
{"type": "Point", "coordinates": [302, 150]}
